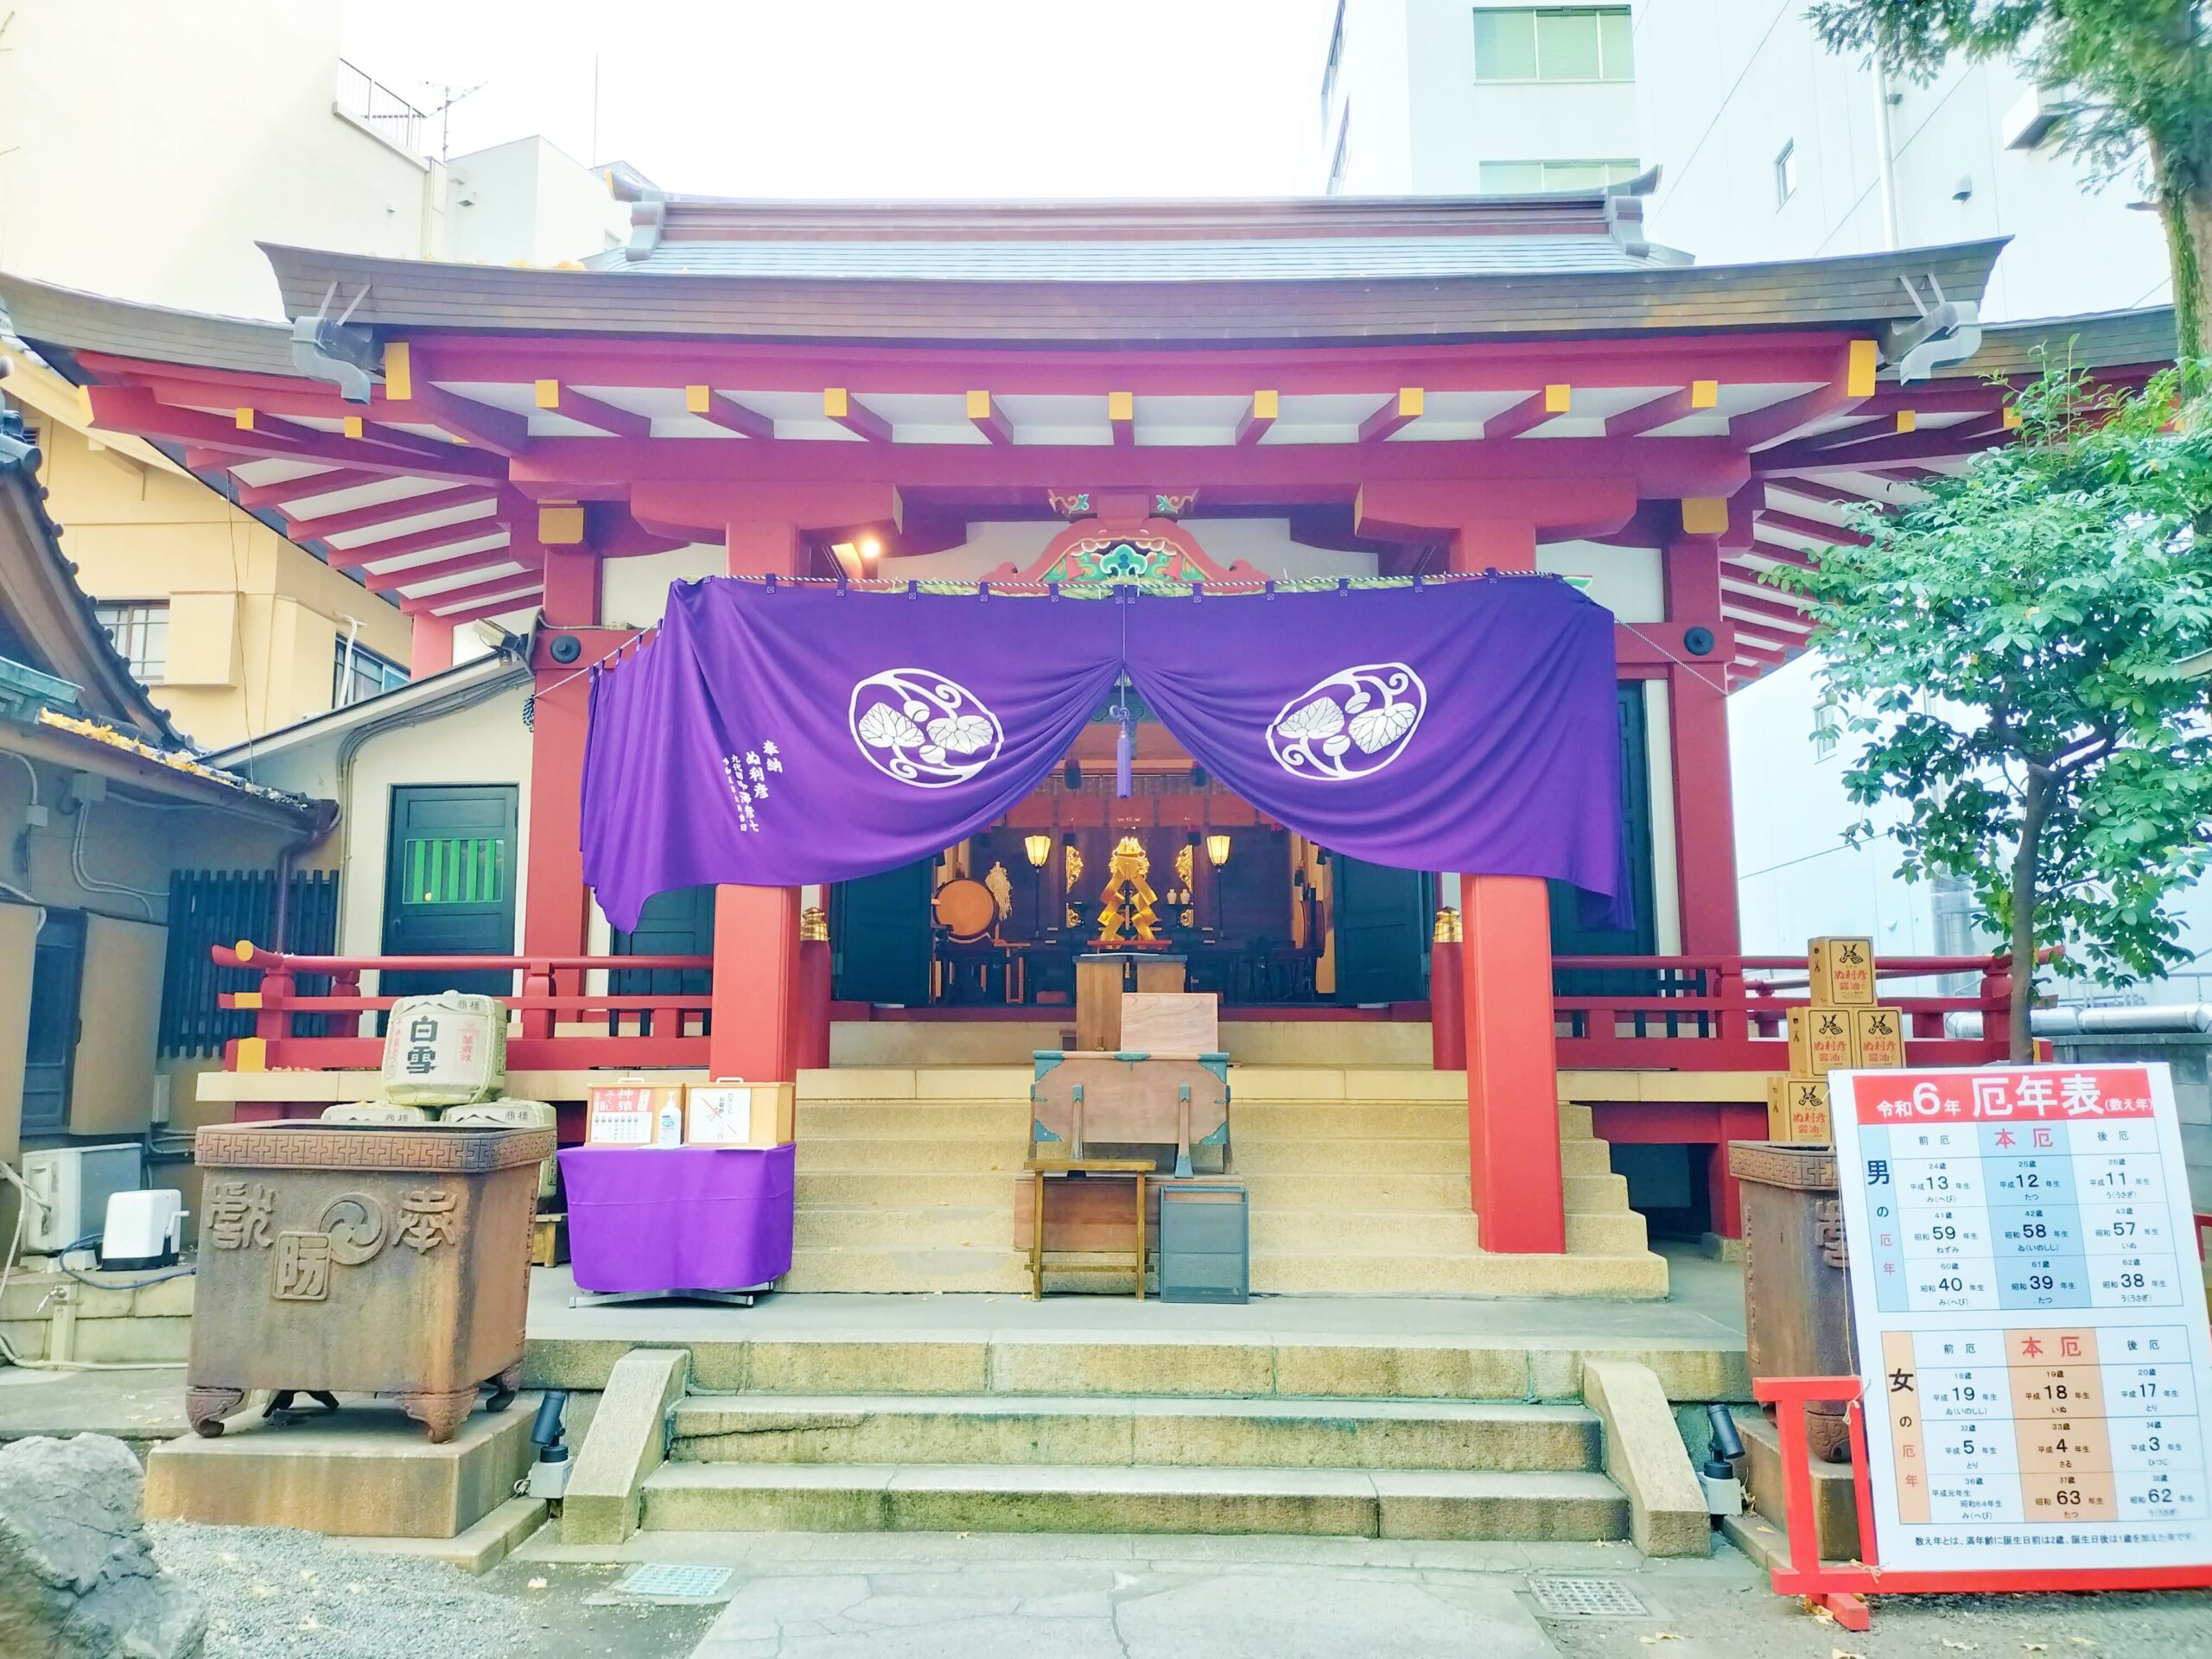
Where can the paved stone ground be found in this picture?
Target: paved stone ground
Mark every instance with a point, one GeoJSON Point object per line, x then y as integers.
{"type": "Point", "coordinates": [1021, 1596]}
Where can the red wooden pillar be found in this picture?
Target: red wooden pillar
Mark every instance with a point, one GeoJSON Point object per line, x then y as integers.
{"type": "Point", "coordinates": [756, 990]}
{"type": "Point", "coordinates": [1447, 1007]}
{"type": "Point", "coordinates": [1495, 544]}
{"type": "Point", "coordinates": [1505, 992]}
{"type": "Point", "coordinates": [555, 907]}
{"type": "Point", "coordinates": [810, 1008]}
{"type": "Point", "coordinates": [430, 648]}
{"type": "Point", "coordinates": [756, 984]}
{"type": "Point", "coordinates": [1705, 819]}
{"type": "Point", "coordinates": [1505, 956]}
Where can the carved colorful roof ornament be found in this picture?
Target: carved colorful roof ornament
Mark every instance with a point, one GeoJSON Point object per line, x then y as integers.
{"type": "Point", "coordinates": [1125, 538]}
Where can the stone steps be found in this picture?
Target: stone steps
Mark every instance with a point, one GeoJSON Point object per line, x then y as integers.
{"type": "Point", "coordinates": [1219, 1364]}
{"type": "Point", "coordinates": [1128, 1431]}
{"type": "Point", "coordinates": [918, 1269]}
{"type": "Point", "coordinates": [1568, 1506]}
{"type": "Point", "coordinates": [1383, 1273]}
{"type": "Point", "coordinates": [966, 1154]}
{"type": "Point", "coordinates": [908, 1189]}
{"type": "Point", "coordinates": [1359, 1177]}
{"type": "Point", "coordinates": [939, 1227]}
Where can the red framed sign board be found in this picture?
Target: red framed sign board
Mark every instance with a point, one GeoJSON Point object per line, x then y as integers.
{"type": "Point", "coordinates": [2035, 1379]}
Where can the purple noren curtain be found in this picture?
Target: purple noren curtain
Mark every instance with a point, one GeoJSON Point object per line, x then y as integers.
{"type": "Point", "coordinates": [777, 735]}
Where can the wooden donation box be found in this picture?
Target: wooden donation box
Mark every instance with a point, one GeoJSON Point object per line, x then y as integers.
{"type": "Point", "coordinates": [389, 1259]}
{"type": "Point", "coordinates": [1101, 979]}
{"type": "Point", "coordinates": [1082, 1099]}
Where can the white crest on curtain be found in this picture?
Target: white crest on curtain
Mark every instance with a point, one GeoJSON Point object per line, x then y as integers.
{"type": "Point", "coordinates": [921, 728]}
{"type": "Point", "coordinates": [1350, 725]}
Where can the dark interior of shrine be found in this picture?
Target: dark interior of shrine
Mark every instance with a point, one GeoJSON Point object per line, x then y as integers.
{"type": "Point", "coordinates": [1177, 864]}
{"type": "Point", "coordinates": [1264, 919]}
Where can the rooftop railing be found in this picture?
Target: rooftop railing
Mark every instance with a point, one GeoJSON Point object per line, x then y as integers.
{"type": "Point", "coordinates": [384, 112]}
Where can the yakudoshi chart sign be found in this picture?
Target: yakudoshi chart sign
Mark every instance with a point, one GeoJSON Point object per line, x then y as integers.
{"type": "Point", "coordinates": [2030, 1317]}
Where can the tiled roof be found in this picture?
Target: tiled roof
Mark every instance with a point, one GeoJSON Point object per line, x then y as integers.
{"type": "Point", "coordinates": [65, 620]}
{"type": "Point", "coordinates": [2092, 339]}
{"type": "Point", "coordinates": [1327, 258]}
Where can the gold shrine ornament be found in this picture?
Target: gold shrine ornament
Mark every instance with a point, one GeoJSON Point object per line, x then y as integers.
{"type": "Point", "coordinates": [1127, 915]}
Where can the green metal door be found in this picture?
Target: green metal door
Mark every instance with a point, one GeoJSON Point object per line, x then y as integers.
{"type": "Point", "coordinates": [449, 886]}
{"type": "Point", "coordinates": [1383, 919]}
{"type": "Point", "coordinates": [880, 936]}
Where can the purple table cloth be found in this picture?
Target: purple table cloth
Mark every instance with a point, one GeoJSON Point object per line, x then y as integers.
{"type": "Point", "coordinates": [678, 1217]}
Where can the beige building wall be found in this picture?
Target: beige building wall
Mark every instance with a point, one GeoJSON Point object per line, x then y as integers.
{"type": "Point", "coordinates": [255, 622]}
{"type": "Point", "coordinates": [119, 876]}
{"type": "Point", "coordinates": [486, 743]}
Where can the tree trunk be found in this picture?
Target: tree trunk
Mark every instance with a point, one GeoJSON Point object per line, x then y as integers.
{"type": "Point", "coordinates": [2184, 200]}
{"type": "Point", "coordinates": [2027, 867]}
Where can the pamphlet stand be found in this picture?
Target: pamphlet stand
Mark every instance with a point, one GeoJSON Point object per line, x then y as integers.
{"type": "Point", "coordinates": [1841, 1587]}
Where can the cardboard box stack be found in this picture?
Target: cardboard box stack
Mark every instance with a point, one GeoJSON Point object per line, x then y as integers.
{"type": "Point", "coordinates": [1841, 1029]}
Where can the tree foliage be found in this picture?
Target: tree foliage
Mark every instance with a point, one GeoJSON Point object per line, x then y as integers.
{"type": "Point", "coordinates": [2133, 78]}
{"type": "Point", "coordinates": [2013, 648]}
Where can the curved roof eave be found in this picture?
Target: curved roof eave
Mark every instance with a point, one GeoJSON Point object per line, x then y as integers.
{"type": "Point", "coordinates": [412, 296]}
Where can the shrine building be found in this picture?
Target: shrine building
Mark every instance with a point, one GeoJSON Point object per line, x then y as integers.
{"type": "Point", "coordinates": [1237, 397]}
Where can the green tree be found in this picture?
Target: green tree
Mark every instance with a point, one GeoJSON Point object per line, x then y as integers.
{"type": "Point", "coordinates": [2011, 648]}
{"type": "Point", "coordinates": [2135, 77]}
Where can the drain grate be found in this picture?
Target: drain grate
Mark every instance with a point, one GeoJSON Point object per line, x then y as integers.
{"type": "Point", "coordinates": [1586, 1598]}
{"type": "Point", "coordinates": [664, 1580]}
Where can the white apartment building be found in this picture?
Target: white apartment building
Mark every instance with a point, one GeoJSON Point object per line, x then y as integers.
{"type": "Point", "coordinates": [145, 148]}
{"type": "Point", "coordinates": [1439, 97]}
{"type": "Point", "coordinates": [1768, 146]}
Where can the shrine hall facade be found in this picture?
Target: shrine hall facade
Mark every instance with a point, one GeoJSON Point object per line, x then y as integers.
{"type": "Point", "coordinates": [1212, 393]}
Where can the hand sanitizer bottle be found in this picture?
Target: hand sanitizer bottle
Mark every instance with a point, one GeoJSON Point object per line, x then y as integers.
{"type": "Point", "coordinates": [670, 1132]}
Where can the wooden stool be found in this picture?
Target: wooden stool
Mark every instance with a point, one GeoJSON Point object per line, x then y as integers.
{"type": "Point", "coordinates": [1041, 1169]}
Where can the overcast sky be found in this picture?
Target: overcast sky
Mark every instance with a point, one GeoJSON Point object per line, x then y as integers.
{"type": "Point", "coordinates": [878, 98]}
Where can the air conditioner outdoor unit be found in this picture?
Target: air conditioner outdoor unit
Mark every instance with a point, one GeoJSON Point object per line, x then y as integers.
{"type": "Point", "coordinates": [71, 1185]}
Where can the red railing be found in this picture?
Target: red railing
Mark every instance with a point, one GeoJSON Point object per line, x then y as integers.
{"type": "Point", "coordinates": [627, 1031]}
{"type": "Point", "coordinates": [1729, 1014]}
{"type": "Point", "coordinates": [1699, 1014]}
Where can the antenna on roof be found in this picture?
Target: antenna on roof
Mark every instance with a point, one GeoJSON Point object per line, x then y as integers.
{"type": "Point", "coordinates": [448, 98]}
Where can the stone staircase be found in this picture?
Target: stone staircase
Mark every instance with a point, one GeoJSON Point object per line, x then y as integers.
{"type": "Point", "coordinates": [1217, 1441]}
{"type": "Point", "coordinates": [1357, 1176]}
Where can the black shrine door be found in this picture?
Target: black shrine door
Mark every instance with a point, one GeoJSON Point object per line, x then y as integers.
{"type": "Point", "coordinates": [1383, 919]}
{"type": "Point", "coordinates": [449, 886]}
{"type": "Point", "coordinates": [880, 936]}
{"type": "Point", "coordinates": [1570, 937]}
{"type": "Point", "coordinates": [677, 923]}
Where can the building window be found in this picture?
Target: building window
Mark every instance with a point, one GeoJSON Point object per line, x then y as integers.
{"type": "Point", "coordinates": [1527, 178]}
{"type": "Point", "coordinates": [1337, 162]}
{"type": "Point", "coordinates": [1554, 44]}
{"type": "Point", "coordinates": [1335, 59]}
{"type": "Point", "coordinates": [361, 673]}
{"type": "Point", "coordinates": [1827, 728]}
{"type": "Point", "coordinates": [1785, 172]}
{"type": "Point", "coordinates": [140, 629]}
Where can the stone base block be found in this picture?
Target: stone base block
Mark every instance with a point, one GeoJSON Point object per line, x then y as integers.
{"type": "Point", "coordinates": [1833, 1506]}
{"type": "Point", "coordinates": [368, 1472]}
